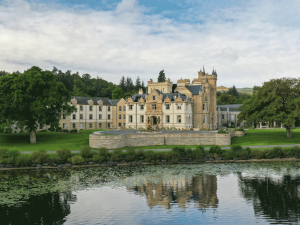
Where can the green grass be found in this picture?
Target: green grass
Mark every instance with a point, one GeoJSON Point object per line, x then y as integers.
{"type": "Point", "coordinates": [256, 137]}
{"type": "Point", "coordinates": [49, 141]}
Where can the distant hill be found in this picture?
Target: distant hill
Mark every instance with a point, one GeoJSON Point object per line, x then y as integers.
{"type": "Point", "coordinates": [245, 90]}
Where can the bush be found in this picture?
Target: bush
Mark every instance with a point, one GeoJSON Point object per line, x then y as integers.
{"type": "Point", "coordinates": [86, 152]}
{"type": "Point", "coordinates": [232, 126]}
{"type": "Point", "coordinates": [239, 129]}
{"type": "Point", "coordinates": [59, 129]}
{"type": "Point", "coordinates": [13, 154]}
{"type": "Point", "coordinates": [64, 154]}
{"type": "Point", "coordinates": [180, 150]}
{"type": "Point", "coordinates": [277, 151]}
{"type": "Point", "coordinates": [77, 159]}
{"type": "Point", "coordinates": [55, 158]}
{"type": "Point", "coordinates": [73, 131]}
{"type": "Point", "coordinates": [257, 154]}
{"type": "Point", "coordinates": [39, 156]}
{"type": "Point", "coordinates": [150, 155]}
{"type": "Point", "coordinates": [130, 154]}
{"type": "Point", "coordinates": [295, 151]}
{"type": "Point", "coordinates": [98, 158]}
{"type": "Point", "coordinates": [236, 148]}
{"type": "Point", "coordinates": [42, 131]}
{"type": "Point", "coordinates": [140, 153]}
{"type": "Point", "coordinates": [216, 149]}
{"type": "Point", "coordinates": [222, 131]}
{"type": "Point", "coordinates": [51, 129]}
{"type": "Point", "coordinates": [228, 154]}
{"type": "Point", "coordinates": [189, 153]}
{"type": "Point", "coordinates": [116, 155]}
{"type": "Point", "coordinates": [199, 152]}
{"type": "Point", "coordinates": [23, 160]}
{"type": "Point", "coordinates": [3, 152]}
{"type": "Point", "coordinates": [8, 130]}
{"type": "Point", "coordinates": [65, 130]}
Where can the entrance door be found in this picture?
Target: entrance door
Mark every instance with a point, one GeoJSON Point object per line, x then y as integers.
{"type": "Point", "coordinates": [154, 120]}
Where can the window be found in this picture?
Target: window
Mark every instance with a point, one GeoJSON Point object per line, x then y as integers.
{"type": "Point", "coordinates": [64, 116]}
{"type": "Point", "coordinates": [142, 119]}
{"type": "Point", "coordinates": [64, 125]}
{"type": "Point", "coordinates": [108, 125]}
{"type": "Point", "coordinates": [124, 124]}
{"type": "Point", "coordinates": [153, 98]}
{"type": "Point", "coordinates": [124, 117]}
{"type": "Point", "coordinates": [74, 116]}
{"type": "Point", "coordinates": [91, 108]}
{"type": "Point", "coordinates": [130, 107]}
{"type": "Point", "coordinates": [100, 125]}
{"type": "Point", "coordinates": [204, 119]}
{"type": "Point", "coordinates": [108, 108]}
{"type": "Point", "coordinates": [81, 126]}
{"type": "Point", "coordinates": [203, 107]}
{"type": "Point", "coordinates": [16, 127]}
{"type": "Point", "coordinates": [167, 119]}
{"type": "Point", "coordinates": [120, 124]}
{"type": "Point", "coordinates": [154, 107]}
{"type": "Point", "coordinates": [81, 108]}
{"type": "Point", "coordinates": [74, 125]}
{"type": "Point", "coordinates": [178, 106]}
{"type": "Point", "coordinates": [178, 119]}
{"type": "Point", "coordinates": [124, 108]}
{"type": "Point", "coordinates": [41, 127]}
{"type": "Point", "coordinates": [120, 117]}
{"type": "Point", "coordinates": [91, 116]}
{"type": "Point", "coordinates": [120, 108]}
{"type": "Point", "coordinates": [223, 117]}
{"type": "Point", "coordinates": [142, 107]}
{"type": "Point", "coordinates": [100, 108]}
{"type": "Point", "coordinates": [91, 125]}
{"type": "Point", "coordinates": [232, 117]}
{"type": "Point", "coordinates": [108, 116]}
{"type": "Point", "coordinates": [167, 106]}
{"type": "Point", "coordinates": [100, 116]}
{"type": "Point", "coordinates": [130, 119]}
{"type": "Point", "coordinates": [81, 116]}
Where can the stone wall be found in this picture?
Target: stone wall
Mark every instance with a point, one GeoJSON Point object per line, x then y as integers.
{"type": "Point", "coordinates": [119, 141]}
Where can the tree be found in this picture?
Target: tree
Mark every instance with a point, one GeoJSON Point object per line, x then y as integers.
{"type": "Point", "coordinates": [122, 84]}
{"type": "Point", "coordinates": [33, 98]}
{"type": "Point", "coordinates": [117, 93]}
{"type": "Point", "coordinates": [129, 84]}
{"type": "Point", "coordinates": [232, 91]}
{"type": "Point", "coordinates": [138, 83]}
{"type": "Point", "coordinates": [161, 76]}
{"type": "Point", "coordinates": [277, 100]}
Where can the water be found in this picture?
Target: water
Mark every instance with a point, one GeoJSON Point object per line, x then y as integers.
{"type": "Point", "coordinates": [263, 193]}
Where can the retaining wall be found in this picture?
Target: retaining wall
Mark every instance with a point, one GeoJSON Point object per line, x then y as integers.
{"type": "Point", "coordinates": [120, 141]}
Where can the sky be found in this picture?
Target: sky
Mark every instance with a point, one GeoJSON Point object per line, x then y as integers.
{"type": "Point", "coordinates": [248, 42]}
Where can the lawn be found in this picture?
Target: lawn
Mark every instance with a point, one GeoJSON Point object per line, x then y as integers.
{"type": "Point", "coordinates": [267, 137]}
{"type": "Point", "coordinates": [49, 141]}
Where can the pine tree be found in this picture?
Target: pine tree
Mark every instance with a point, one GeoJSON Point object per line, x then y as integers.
{"type": "Point", "coordinates": [232, 91]}
{"type": "Point", "coordinates": [161, 76]}
{"type": "Point", "coordinates": [138, 83]}
{"type": "Point", "coordinates": [129, 84]}
{"type": "Point", "coordinates": [122, 84]}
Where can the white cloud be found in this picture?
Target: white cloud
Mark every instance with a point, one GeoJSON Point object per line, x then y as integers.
{"type": "Point", "coordinates": [247, 45]}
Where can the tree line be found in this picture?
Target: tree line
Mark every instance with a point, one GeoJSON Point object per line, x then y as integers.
{"type": "Point", "coordinates": [232, 96]}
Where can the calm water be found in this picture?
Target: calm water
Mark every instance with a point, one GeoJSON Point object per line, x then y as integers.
{"type": "Point", "coordinates": [261, 193]}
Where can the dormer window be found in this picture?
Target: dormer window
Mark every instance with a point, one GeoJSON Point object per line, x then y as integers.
{"type": "Point", "coordinates": [130, 107]}
{"type": "Point", "coordinates": [91, 108]}
{"type": "Point", "coordinates": [167, 106]}
{"type": "Point", "coordinates": [153, 98]}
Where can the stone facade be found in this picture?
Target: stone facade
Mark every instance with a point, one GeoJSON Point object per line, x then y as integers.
{"type": "Point", "coordinates": [120, 141]}
{"type": "Point", "coordinates": [227, 115]}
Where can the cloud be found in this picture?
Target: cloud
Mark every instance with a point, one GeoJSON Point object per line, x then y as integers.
{"type": "Point", "coordinates": [247, 44]}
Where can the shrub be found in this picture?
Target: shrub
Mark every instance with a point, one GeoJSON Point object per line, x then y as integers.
{"type": "Point", "coordinates": [222, 131]}
{"type": "Point", "coordinates": [150, 155]}
{"type": "Point", "coordinates": [216, 149]}
{"type": "Point", "coordinates": [130, 154]}
{"type": "Point", "coordinates": [39, 156]}
{"type": "Point", "coordinates": [73, 131]}
{"type": "Point", "coordinates": [236, 148]}
{"type": "Point", "coordinates": [199, 152]}
{"type": "Point", "coordinates": [55, 158]}
{"type": "Point", "coordinates": [77, 159]}
{"type": "Point", "coordinates": [180, 150]}
{"type": "Point", "coordinates": [98, 158]}
{"type": "Point", "coordinates": [43, 130]}
{"type": "Point", "coordinates": [23, 160]}
{"type": "Point", "coordinates": [295, 151]}
{"type": "Point", "coordinates": [59, 129]}
{"type": "Point", "coordinates": [232, 126]}
{"type": "Point", "coordinates": [277, 152]}
{"type": "Point", "coordinates": [8, 130]}
{"type": "Point", "coordinates": [116, 155]}
{"type": "Point", "coordinates": [189, 153]}
{"type": "Point", "coordinates": [242, 154]}
{"type": "Point", "coordinates": [51, 129]}
{"type": "Point", "coordinates": [65, 130]}
{"type": "Point", "coordinates": [140, 153]}
{"type": "Point", "coordinates": [239, 129]}
{"type": "Point", "coordinates": [64, 154]}
{"type": "Point", "coordinates": [174, 156]}
{"type": "Point", "coordinates": [228, 154]}
{"type": "Point", "coordinates": [13, 153]}
{"type": "Point", "coordinates": [3, 152]}
{"type": "Point", "coordinates": [86, 152]}
{"type": "Point", "coordinates": [257, 154]}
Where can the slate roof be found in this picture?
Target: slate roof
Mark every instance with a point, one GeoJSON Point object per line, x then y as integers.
{"type": "Point", "coordinates": [171, 96]}
{"type": "Point", "coordinates": [232, 108]}
{"type": "Point", "coordinates": [194, 89]}
{"type": "Point", "coordinates": [84, 100]}
{"type": "Point", "coordinates": [136, 97]}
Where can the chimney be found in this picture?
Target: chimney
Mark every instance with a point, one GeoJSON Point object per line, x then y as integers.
{"type": "Point", "coordinates": [140, 91]}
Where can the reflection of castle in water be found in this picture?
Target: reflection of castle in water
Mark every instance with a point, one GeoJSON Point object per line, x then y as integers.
{"type": "Point", "coordinates": [201, 189]}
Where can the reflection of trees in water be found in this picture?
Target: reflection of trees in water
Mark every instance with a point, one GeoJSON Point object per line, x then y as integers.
{"type": "Point", "coordinates": [51, 208]}
{"type": "Point", "coordinates": [276, 199]}
{"type": "Point", "coordinates": [198, 189]}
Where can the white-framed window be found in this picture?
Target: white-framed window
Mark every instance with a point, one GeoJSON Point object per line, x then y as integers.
{"type": "Point", "coordinates": [108, 108]}
{"type": "Point", "coordinates": [232, 117]}
{"type": "Point", "coordinates": [81, 108]}
{"type": "Point", "coordinates": [100, 108]}
{"type": "Point", "coordinates": [178, 106]}
{"type": "Point", "coordinates": [108, 125]}
{"type": "Point", "coordinates": [120, 108]}
{"type": "Point", "coordinates": [223, 117]}
{"type": "Point", "coordinates": [91, 125]}
{"type": "Point", "coordinates": [74, 116]}
{"type": "Point", "coordinates": [100, 116]}
{"type": "Point", "coordinates": [153, 98]}
{"type": "Point", "coordinates": [204, 121]}
{"type": "Point", "coordinates": [91, 108]}
{"type": "Point", "coordinates": [91, 116]}
{"type": "Point", "coordinates": [124, 117]}
{"type": "Point", "coordinates": [153, 106]}
{"type": "Point", "coordinates": [167, 119]}
{"type": "Point", "coordinates": [130, 119]}
{"type": "Point", "coordinates": [130, 107]}
{"type": "Point", "coordinates": [179, 119]}
{"type": "Point", "coordinates": [120, 117]}
{"type": "Point", "coordinates": [142, 107]}
{"type": "Point", "coordinates": [203, 107]}
{"type": "Point", "coordinates": [120, 124]}
{"type": "Point", "coordinates": [81, 125]}
{"type": "Point", "coordinates": [16, 127]}
{"type": "Point", "coordinates": [124, 108]}
{"type": "Point", "coordinates": [167, 106]}
{"type": "Point", "coordinates": [81, 116]}
{"type": "Point", "coordinates": [74, 125]}
{"type": "Point", "coordinates": [108, 116]}
{"type": "Point", "coordinates": [64, 125]}
{"type": "Point", "coordinates": [64, 116]}
{"type": "Point", "coordinates": [142, 119]}
{"type": "Point", "coordinates": [100, 125]}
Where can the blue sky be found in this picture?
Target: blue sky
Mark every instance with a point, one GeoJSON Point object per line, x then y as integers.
{"type": "Point", "coordinates": [248, 42]}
